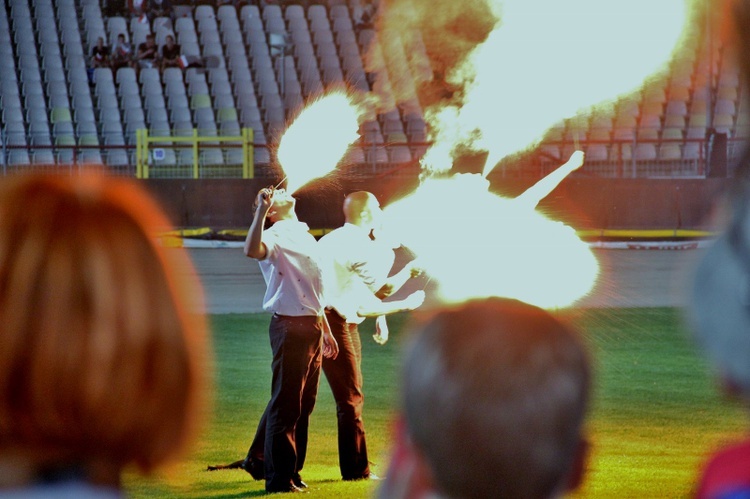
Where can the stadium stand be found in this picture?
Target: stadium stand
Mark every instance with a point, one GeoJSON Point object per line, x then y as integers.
{"type": "Point", "coordinates": [258, 66]}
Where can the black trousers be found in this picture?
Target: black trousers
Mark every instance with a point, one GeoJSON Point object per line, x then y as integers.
{"type": "Point", "coordinates": [344, 375]}
{"type": "Point", "coordinates": [282, 431]}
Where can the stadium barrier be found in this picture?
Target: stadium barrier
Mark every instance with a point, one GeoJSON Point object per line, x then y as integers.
{"type": "Point", "coordinates": [146, 154]}
{"type": "Point", "coordinates": [197, 156]}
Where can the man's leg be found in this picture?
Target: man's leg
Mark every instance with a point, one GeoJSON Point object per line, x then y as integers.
{"type": "Point", "coordinates": [294, 341]}
{"type": "Point", "coordinates": [345, 378]}
{"type": "Point", "coordinates": [309, 394]}
{"type": "Point", "coordinates": [253, 463]}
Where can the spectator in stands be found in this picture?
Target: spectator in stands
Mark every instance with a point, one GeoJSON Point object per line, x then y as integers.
{"type": "Point", "coordinates": [122, 54]}
{"type": "Point", "coordinates": [364, 18]}
{"type": "Point", "coordinates": [159, 8]}
{"type": "Point", "coordinates": [170, 54]}
{"type": "Point", "coordinates": [102, 365]}
{"type": "Point", "coordinates": [99, 58]}
{"type": "Point", "coordinates": [494, 394]}
{"type": "Point", "coordinates": [100, 54]}
{"type": "Point", "coordinates": [112, 8]}
{"type": "Point", "coordinates": [137, 8]}
{"type": "Point", "coordinates": [148, 52]}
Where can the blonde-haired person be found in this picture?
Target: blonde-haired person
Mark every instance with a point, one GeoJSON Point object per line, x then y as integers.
{"type": "Point", "coordinates": [102, 364]}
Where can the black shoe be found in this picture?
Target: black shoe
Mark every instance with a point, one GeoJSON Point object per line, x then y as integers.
{"type": "Point", "coordinates": [297, 481]}
{"type": "Point", "coordinates": [255, 467]}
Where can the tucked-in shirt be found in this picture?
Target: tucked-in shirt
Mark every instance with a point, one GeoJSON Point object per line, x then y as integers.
{"type": "Point", "coordinates": [357, 268]}
{"type": "Point", "coordinates": [292, 270]}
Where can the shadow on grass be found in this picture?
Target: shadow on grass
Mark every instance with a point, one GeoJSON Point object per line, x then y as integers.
{"type": "Point", "coordinates": [255, 493]}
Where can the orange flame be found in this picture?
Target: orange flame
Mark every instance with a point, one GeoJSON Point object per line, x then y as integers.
{"type": "Point", "coordinates": [474, 243]}
{"type": "Point", "coordinates": [547, 60]}
{"type": "Point", "coordinates": [315, 142]}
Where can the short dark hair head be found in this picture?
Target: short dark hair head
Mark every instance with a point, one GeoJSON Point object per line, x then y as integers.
{"type": "Point", "coordinates": [494, 396]}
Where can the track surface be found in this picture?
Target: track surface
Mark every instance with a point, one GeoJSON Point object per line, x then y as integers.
{"type": "Point", "coordinates": [629, 278]}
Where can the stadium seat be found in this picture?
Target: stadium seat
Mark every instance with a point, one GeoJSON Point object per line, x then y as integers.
{"type": "Point", "coordinates": [674, 121]}
{"type": "Point", "coordinates": [676, 107]}
{"type": "Point", "coordinates": [596, 152]}
{"type": "Point", "coordinates": [670, 152]}
{"type": "Point", "coordinates": [724, 123]}
{"type": "Point", "coordinates": [692, 151]}
{"type": "Point", "coordinates": [156, 114]}
{"type": "Point", "coordinates": [725, 106]}
{"type": "Point", "coordinates": [65, 147]}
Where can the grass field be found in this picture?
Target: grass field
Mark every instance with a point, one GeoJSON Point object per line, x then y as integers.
{"type": "Point", "coordinates": [655, 415]}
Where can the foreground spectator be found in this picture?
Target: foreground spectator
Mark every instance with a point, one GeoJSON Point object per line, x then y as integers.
{"type": "Point", "coordinates": [494, 394]}
{"type": "Point", "coordinates": [720, 313]}
{"type": "Point", "coordinates": [102, 366]}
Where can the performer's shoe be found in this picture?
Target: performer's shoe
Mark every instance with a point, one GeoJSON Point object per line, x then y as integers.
{"type": "Point", "coordinates": [297, 481]}
{"type": "Point", "coordinates": [255, 467]}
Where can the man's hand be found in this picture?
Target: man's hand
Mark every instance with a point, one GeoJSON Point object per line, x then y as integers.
{"type": "Point", "coordinates": [576, 159]}
{"type": "Point", "coordinates": [264, 199]}
{"type": "Point", "coordinates": [381, 330]}
{"type": "Point", "coordinates": [330, 346]}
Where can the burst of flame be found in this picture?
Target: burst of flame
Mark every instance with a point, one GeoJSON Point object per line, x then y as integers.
{"type": "Point", "coordinates": [547, 60]}
{"type": "Point", "coordinates": [474, 243]}
{"type": "Point", "coordinates": [316, 141]}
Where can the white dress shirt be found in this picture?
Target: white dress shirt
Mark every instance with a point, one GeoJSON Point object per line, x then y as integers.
{"type": "Point", "coordinates": [358, 268]}
{"type": "Point", "coordinates": [292, 270]}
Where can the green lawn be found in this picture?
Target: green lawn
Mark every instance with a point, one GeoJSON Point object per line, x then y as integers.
{"type": "Point", "coordinates": [655, 414]}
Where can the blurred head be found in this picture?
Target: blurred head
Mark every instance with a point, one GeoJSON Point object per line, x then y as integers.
{"type": "Point", "coordinates": [151, 39]}
{"type": "Point", "coordinates": [169, 40]}
{"type": "Point", "coordinates": [362, 208]}
{"type": "Point", "coordinates": [121, 38]}
{"type": "Point", "coordinates": [100, 41]}
{"type": "Point", "coordinates": [494, 397]}
{"type": "Point", "coordinates": [720, 301]}
{"type": "Point", "coordinates": [101, 360]}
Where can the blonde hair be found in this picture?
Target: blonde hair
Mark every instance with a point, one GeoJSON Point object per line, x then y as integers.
{"type": "Point", "coordinates": [100, 359]}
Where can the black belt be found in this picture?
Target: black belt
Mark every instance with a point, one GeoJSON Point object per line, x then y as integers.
{"type": "Point", "coordinates": [294, 317]}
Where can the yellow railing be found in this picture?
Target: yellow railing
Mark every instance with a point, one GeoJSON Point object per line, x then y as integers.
{"type": "Point", "coordinates": [145, 142]}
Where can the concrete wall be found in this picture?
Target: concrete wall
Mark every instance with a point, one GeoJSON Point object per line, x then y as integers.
{"type": "Point", "coordinates": [584, 203]}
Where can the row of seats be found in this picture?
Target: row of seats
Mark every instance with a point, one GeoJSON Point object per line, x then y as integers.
{"type": "Point", "coordinates": [669, 119]}
{"type": "Point", "coordinates": [258, 78]}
